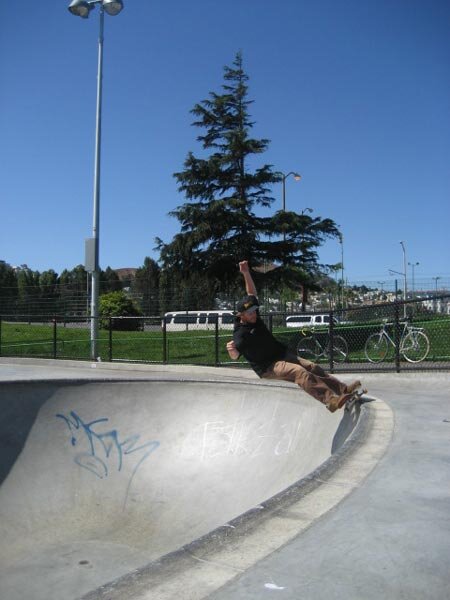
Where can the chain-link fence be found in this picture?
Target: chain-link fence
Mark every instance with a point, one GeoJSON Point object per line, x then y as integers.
{"type": "Point", "coordinates": [74, 299]}
{"type": "Point", "coordinates": [395, 336]}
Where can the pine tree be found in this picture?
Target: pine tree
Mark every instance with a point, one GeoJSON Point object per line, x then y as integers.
{"type": "Point", "coordinates": [146, 285]}
{"type": "Point", "coordinates": [219, 225]}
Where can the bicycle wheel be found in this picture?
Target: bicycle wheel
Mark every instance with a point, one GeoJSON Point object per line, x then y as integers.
{"type": "Point", "coordinates": [307, 348]}
{"type": "Point", "coordinates": [376, 347]}
{"type": "Point", "coordinates": [415, 346]}
{"type": "Point", "coordinates": [340, 349]}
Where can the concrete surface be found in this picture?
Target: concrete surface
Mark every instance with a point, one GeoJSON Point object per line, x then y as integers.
{"type": "Point", "coordinates": [175, 466]}
{"type": "Point", "coordinates": [391, 537]}
{"type": "Point", "coordinates": [102, 475]}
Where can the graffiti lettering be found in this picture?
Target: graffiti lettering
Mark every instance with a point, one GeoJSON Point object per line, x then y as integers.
{"type": "Point", "coordinates": [103, 450]}
{"type": "Point", "coordinates": [240, 438]}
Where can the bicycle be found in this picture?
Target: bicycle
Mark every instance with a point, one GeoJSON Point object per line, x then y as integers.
{"type": "Point", "coordinates": [414, 344]}
{"type": "Point", "coordinates": [311, 348]}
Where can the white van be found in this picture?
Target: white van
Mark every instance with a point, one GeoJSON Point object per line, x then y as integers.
{"type": "Point", "coordinates": [300, 321]}
{"type": "Point", "coordinates": [198, 319]}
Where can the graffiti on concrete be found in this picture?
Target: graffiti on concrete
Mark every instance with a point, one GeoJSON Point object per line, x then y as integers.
{"type": "Point", "coordinates": [101, 448]}
{"type": "Point", "coordinates": [243, 437]}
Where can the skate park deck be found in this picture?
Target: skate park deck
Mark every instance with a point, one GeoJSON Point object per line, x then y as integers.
{"type": "Point", "coordinates": [156, 482]}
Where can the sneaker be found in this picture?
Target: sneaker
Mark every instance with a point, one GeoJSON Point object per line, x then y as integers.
{"type": "Point", "coordinates": [338, 402]}
{"type": "Point", "coordinates": [349, 389]}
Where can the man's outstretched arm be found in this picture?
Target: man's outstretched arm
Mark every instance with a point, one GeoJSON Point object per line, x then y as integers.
{"type": "Point", "coordinates": [249, 283]}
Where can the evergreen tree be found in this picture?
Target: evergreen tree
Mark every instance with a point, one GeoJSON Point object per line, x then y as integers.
{"type": "Point", "coordinates": [146, 285]}
{"type": "Point", "coordinates": [73, 290]}
{"type": "Point", "coordinates": [219, 225]}
{"type": "Point", "coordinates": [8, 288]}
{"type": "Point", "coordinates": [28, 289]}
{"type": "Point", "coordinates": [48, 281]}
{"type": "Point", "coordinates": [299, 237]}
{"type": "Point", "coordinates": [74, 280]}
{"type": "Point", "coordinates": [109, 281]}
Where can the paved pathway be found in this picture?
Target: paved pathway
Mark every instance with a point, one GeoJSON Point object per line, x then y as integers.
{"type": "Point", "coordinates": [391, 537]}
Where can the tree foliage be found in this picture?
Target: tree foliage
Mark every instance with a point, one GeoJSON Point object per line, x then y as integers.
{"type": "Point", "coordinates": [32, 293]}
{"type": "Point", "coordinates": [145, 285]}
{"type": "Point", "coordinates": [219, 222]}
{"type": "Point", "coordinates": [118, 304]}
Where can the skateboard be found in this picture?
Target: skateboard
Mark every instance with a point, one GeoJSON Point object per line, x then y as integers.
{"type": "Point", "coordinates": [357, 395]}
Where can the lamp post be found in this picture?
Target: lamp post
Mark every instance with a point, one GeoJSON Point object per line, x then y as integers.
{"type": "Point", "coordinates": [402, 244]}
{"type": "Point", "coordinates": [405, 290]}
{"type": "Point", "coordinates": [283, 177]}
{"type": "Point", "coordinates": [436, 279]}
{"type": "Point", "coordinates": [413, 266]}
{"type": "Point", "coordinates": [341, 241]}
{"type": "Point", "coordinates": [82, 8]}
{"type": "Point", "coordinates": [392, 272]}
{"type": "Point", "coordinates": [296, 176]}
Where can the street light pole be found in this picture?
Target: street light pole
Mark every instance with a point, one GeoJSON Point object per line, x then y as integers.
{"type": "Point", "coordinates": [413, 266]}
{"type": "Point", "coordinates": [296, 176]}
{"type": "Point", "coordinates": [391, 272]}
{"type": "Point", "coordinates": [436, 279]}
{"type": "Point", "coordinates": [341, 239]}
{"type": "Point", "coordinates": [95, 287]}
{"type": "Point", "coordinates": [405, 291]}
{"type": "Point", "coordinates": [82, 8]}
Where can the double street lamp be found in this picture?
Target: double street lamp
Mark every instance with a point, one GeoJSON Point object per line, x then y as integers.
{"type": "Point", "coordinates": [82, 8]}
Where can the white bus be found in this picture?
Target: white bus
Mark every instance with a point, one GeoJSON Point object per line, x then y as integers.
{"type": "Point", "coordinates": [198, 319]}
{"type": "Point", "coordinates": [300, 321]}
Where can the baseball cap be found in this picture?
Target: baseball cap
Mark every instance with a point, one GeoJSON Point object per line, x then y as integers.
{"type": "Point", "coordinates": [247, 304]}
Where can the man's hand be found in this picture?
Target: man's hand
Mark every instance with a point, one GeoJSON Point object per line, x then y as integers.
{"type": "Point", "coordinates": [250, 287]}
{"type": "Point", "coordinates": [232, 350]}
{"type": "Point", "coordinates": [243, 266]}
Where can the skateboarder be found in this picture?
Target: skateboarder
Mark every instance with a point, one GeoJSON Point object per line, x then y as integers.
{"type": "Point", "coordinates": [271, 359]}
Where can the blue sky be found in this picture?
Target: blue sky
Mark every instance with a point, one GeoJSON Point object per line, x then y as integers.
{"type": "Point", "coordinates": [354, 95]}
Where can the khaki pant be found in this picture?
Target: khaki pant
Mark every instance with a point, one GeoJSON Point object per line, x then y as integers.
{"type": "Point", "coordinates": [308, 375]}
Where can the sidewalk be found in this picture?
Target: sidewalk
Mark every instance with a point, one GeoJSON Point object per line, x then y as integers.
{"type": "Point", "coordinates": [391, 537]}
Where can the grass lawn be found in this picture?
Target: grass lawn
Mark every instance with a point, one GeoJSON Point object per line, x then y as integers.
{"type": "Point", "coordinates": [184, 347]}
{"type": "Point", "coordinates": [37, 340]}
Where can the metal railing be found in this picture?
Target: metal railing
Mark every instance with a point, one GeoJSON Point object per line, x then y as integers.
{"type": "Point", "coordinates": [369, 338]}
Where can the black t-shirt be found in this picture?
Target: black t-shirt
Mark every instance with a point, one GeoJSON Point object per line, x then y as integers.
{"type": "Point", "coordinates": [255, 342]}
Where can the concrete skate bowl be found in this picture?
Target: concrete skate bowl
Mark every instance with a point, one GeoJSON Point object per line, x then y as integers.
{"type": "Point", "coordinates": [105, 481]}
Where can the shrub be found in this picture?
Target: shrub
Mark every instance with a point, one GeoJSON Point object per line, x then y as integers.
{"type": "Point", "coordinates": [118, 304]}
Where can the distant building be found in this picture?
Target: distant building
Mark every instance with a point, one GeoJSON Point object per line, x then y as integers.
{"type": "Point", "coordinates": [126, 273]}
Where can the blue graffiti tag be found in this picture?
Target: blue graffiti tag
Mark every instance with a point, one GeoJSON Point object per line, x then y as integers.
{"type": "Point", "coordinates": [103, 447]}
